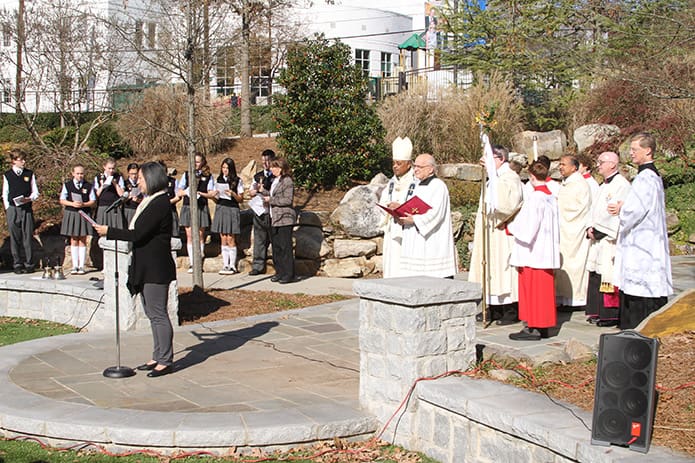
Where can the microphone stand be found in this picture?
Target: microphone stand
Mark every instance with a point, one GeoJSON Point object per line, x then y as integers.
{"type": "Point", "coordinates": [118, 371]}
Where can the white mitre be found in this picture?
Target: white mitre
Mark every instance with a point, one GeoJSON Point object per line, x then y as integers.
{"type": "Point", "coordinates": [402, 149]}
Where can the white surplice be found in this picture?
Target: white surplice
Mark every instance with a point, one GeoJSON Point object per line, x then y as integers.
{"type": "Point", "coordinates": [574, 206]}
{"type": "Point", "coordinates": [503, 281]}
{"type": "Point", "coordinates": [536, 232]}
{"type": "Point", "coordinates": [399, 190]}
{"type": "Point", "coordinates": [602, 252]}
{"type": "Point", "coordinates": [643, 263]}
{"type": "Point", "coordinates": [428, 245]}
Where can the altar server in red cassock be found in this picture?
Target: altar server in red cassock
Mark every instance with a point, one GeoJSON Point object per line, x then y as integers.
{"type": "Point", "coordinates": [535, 254]}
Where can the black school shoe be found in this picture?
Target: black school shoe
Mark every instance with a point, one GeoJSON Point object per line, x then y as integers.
{"type": "Point", "coordinates": [526, 334]}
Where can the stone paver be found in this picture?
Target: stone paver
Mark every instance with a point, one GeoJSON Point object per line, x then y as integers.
{"type": "Point", "coordinates": [269, 380]}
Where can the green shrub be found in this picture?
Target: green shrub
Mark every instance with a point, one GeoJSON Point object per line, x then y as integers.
{"type": "Point", "coordinates": [60, 136]}
{"type": "Point", "coordinates": [14, 134]}
{"type": "Point", "coordinates": [261, 118]}
{"type": "Point", "coordinates": [329, 133]}
{"type": "Point", "coordinates": [681, 199]}
{"type": "Point", "coordinates": [106, 139]}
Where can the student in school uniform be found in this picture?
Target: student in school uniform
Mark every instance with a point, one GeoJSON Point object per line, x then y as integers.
{"type": "Point", "coordinates": [206, 185]}
{"type": "Point", "coordinates": [134, 194]}
{"type": "Point", "coordinates": [228, 192]}
{"type": "Point", "coordinates": [77, 195]}
{"type": "Point", "coordinates": [19, 191]}
{"type": "Point", "coordinates": [108, 187]}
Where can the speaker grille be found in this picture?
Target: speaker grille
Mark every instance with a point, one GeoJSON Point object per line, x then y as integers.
{"type": "Point", "coordinates": [625, 397]}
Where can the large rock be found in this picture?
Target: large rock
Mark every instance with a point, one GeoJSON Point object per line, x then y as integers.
{"type": "Point", "coordinates": [553, 144]}
{"type": "Point", "coordinates": [691, 238]}
{"type": "Point", "coordinates": [587, 135]}
{"type": "Point", "coordinates": [248, 172]}
{"type": "Point", "coordinates": [357, 213]}
{"type": "Point", "coordinates": [352, 267]}
{"type": "Point", "coordinates": [310, 244]}
{"type": "Point", "coordinates": [310, 218]}
{"type": "Point", "coordinates": [577, 351]}
{"type": "Point", "coordinates": [673, 223]}
{"type": "Point", "coordinates": [461, 171]}
{"type": "Point", "coordinates": [353, 248]}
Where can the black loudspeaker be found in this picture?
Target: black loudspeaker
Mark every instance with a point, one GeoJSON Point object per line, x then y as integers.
{"type": "Point", "coordinates": [625, 394]}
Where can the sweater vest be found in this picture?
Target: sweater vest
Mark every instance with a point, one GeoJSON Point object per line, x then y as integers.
{"type": "Point", "coordinates": [83, 192]}
{"type": "Point", "coordinates": [202, 188]}
{"type": "Point", "coordinates": [108, 195]}
{"type": "Point", "coordinates": [19, 185]}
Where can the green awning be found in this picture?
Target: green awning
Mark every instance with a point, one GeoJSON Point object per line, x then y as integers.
{"type": "Point", "coordinates": [414, 42]}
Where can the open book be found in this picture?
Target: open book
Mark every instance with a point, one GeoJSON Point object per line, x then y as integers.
{"type": "Point", "coordinates": [413, 206]}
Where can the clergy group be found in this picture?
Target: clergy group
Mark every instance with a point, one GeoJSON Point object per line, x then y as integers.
{"type": "Point", "coordinates": [545, 246]}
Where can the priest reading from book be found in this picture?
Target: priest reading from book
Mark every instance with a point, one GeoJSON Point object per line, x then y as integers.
{"type": "Point", "coordinates": [428, 240]}
{"type": "Point", "coordinates": [397, 191]}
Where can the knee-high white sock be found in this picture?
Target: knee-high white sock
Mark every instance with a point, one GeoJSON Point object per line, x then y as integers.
{"type": "Point", "coordinates": [232, 257]}
{"type": "Point", "coordinates": [75, 257]}
{"type": "Point", "coordinates": [189, 248]}
{"type": "Point", "coordinates": [82, 255]}
{"type": "Point", "coordinates": [225, 256]}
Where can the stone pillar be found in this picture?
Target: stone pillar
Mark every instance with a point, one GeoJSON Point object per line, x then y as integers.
{"type": "Point", "coordinates": [132, 315]}
{"type": "Point", "coordinates": [411, 328]}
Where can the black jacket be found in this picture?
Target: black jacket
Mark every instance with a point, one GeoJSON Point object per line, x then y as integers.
{"type": "Point", "coordinates": [151, 261]}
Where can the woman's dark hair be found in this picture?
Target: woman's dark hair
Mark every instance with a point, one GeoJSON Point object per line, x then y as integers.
{"type": "Point", "coordinates": [133, 165]}
{"type": "Point", "coordinates": [232, 171]}
{"type": "Point", "coordinates": [285, 170]}
{"type": "Point", "coordinates": [155, 177]}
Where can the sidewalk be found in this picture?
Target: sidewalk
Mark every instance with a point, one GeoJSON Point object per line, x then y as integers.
{"type": "Point", "coordinates": [273, 380]}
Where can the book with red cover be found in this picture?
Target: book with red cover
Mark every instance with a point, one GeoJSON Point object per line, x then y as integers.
{"type": "Point", "coordinates": [413, 206]}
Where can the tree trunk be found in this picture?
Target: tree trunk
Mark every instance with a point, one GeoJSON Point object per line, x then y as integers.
{"type": "Point", "coordinates": [245, 90]}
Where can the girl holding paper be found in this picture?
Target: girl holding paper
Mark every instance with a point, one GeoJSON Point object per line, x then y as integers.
{"type": "Point", "coordinates": [228, 193]}
{"type": "Point", "coordinates": [205, 191]}
{"type": "Point", "coordinates": [77, 195]}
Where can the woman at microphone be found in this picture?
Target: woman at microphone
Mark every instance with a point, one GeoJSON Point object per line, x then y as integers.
{"type": "Point", "coordinates": [151, 268]}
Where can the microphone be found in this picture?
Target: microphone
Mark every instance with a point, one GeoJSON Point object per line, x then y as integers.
{"type": "Point", "coordinates": [117, 203]}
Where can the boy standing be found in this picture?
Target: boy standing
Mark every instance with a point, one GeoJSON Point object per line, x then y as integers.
{"type": "Point", "coordinates": [19, 190]}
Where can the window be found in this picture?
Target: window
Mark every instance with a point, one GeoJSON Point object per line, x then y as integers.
{"type": "Point", "coordinates": [385, 64]}
{"type": "Point", "coordinates": [6, 35]}
{"type": "Point", "coordinates": [6, 91]}
{"type": "Point", "coordinates": [362, 61]}
{"type": "Point", "coordinates": [137, 39]}
{"type": "Point", "coordinates": [151, 35]}
{"type": "Point", "coordinates": [224, 71]}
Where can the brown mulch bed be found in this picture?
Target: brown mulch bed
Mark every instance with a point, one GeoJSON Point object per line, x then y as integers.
{"type": "Point", "coordinates": [674, 424]}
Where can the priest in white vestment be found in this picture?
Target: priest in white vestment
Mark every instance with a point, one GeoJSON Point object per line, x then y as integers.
{"type": "Point", "coordinates": [602, 296]}
{"type": "Point", "coordinates": [398, 190]}
{"type": "Point", "coordinates": [428, 239]}
{"type": "Point", "coordinates": [503, 278]}
{"type": "Point", "coordinates": [643, 263]}
{"type": "Point", "coordinates": [574, 205]}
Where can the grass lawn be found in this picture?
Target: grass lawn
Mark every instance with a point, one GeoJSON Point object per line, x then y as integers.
{"type": "Point", "coordinates": [13, 330]}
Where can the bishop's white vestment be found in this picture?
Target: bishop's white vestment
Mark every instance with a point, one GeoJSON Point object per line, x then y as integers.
{"type": "Point", "coordinates": [574, 206]}
{"type": "Point", "coordinates": [397, 190]}
{"type": "Point", "coordinates": [503, 279]}
{"type": "Point", "coordinates": [428, 245]}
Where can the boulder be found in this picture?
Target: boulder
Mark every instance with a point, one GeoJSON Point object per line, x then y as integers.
{"type": "Point", "coordinates": [457, 223]}
{"type": "Point", "coordinates": [357, 213]}
{"type": "Point", "coordinates": [461, 171]}
{"type": "Point", "coordinates": [310, 219]}
{"type": "Point", "coordinates": [309, 243]}
{"type": "Point", "coordinates": [553, 144]}
{"type": "Point", "coordinates": [673, 223]}
{"type": "Point", "coordinates": [248, 172]}
{"type": "Point", "coordinates": [353, 248]}
{"type": "Point", "coordinates": [578, 351]}
{"type": "Point", "coordinates": [379, 180]}
{"type": "Point", "coordinates": [691, 238]}
{"type": "Point", "coordinates": [587, 135]}
{"type": "Point", "coordinates": [352, 267]}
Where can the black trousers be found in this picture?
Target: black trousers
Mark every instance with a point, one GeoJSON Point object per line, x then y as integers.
{"type": "Point", "coordinates": [283, 257]}
{"type": "Point", "coordinates": [634, 309]}
{"type": "Point", "coordinates": [261, 240]}
{"type": "Point", "coordinates": [20, 225]}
